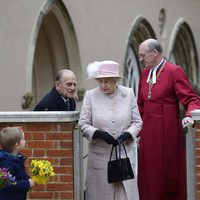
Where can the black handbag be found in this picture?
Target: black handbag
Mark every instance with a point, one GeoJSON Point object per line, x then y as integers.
{"type": "Point", "coordinates": [119, 169]}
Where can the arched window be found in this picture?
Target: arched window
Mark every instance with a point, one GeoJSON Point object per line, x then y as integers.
{"type": "Point", "coordinates": [183, 51]}
{"type": "Point", "coordinates": [141, 31]}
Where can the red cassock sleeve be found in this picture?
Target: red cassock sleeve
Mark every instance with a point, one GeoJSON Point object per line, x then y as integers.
{"type": "Point", "coordinates": [185, 92]}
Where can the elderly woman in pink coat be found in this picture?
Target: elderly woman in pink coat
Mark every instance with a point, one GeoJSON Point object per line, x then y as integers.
{"type": "Point", "coordinates": [109, 113]}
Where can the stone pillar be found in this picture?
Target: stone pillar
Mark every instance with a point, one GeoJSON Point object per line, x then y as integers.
{"type": "Point", "coordinates": [190, 161]}
{"type": "Point", "coordinates": [53, 136]}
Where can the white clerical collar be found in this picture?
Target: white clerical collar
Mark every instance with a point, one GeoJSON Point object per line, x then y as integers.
{"type": "Point", "coordinates": [153, 70]}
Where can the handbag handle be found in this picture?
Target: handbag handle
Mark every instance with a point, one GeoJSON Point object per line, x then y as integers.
{"type": "Point", "coordinates": [121, 144]}
{"type": "Point", "coordinates": [115, 147]}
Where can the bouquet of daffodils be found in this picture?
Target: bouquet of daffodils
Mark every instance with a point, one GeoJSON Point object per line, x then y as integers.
{"type": "Point", "coordinates": [42, 170]}
{"type": "Point", "coordinates": [6, 178]}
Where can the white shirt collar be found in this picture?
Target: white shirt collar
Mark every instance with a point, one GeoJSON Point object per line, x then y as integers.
{"type": "Point", "coordinates": [153, 70]}
{"type": "Point", "coordinates": [64, 99]}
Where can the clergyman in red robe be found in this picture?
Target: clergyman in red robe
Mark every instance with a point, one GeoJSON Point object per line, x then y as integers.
{"type": "Point", "coordinates": [162, 165]}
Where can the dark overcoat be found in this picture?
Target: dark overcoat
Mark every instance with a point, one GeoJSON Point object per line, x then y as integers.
{"type": "Point", "coordinates": [54, 102]}
{"type": "Point", "coordinates": [162, 167]}
{"type": "Point", "coordinates": [15, 164]}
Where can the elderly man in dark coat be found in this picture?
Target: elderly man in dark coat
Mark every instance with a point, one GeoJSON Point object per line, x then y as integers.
{"type": "Point", "coordinates": [61, 97]}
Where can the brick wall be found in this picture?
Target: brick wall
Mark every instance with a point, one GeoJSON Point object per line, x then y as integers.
{"type": "Point", "coordinates": [195, 169]}
{"type": "Point", "coordinates": [197, 153]}
{"type": "Point", "coordinates": [52, 140]}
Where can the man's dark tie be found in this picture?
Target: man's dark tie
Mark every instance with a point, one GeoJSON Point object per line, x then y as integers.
{"type": "Point", "coordinates": [67, 105]}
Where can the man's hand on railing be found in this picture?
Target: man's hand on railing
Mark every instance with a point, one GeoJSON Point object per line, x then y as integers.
{"type": "Point", "coordinates": [187, 120]}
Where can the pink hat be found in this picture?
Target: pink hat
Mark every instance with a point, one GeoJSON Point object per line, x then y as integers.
{"type": "Point", "coordinates": [103, 69]}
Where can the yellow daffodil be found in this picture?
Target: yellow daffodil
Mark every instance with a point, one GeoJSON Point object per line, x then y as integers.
{"type": "Point", "coordinates": [42, 170]}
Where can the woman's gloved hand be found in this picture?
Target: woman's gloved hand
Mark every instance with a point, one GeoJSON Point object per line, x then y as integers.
{"type": "Point", "coordinates": [105, 136]}
{"type": "Point", "coordinates": [125, 136]}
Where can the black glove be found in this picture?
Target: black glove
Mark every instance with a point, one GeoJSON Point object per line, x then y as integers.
{"type": "Point", "coordinates": [105, 136]}
{"type": "Point", "coordinates": [124, 136]}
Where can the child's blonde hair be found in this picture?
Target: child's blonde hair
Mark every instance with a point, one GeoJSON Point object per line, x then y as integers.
{"type": "Point", "coordinates": [9, 137]}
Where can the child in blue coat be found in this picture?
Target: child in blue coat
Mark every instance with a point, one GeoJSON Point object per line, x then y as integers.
{"type": "Point", "coordinates": [11, 141]}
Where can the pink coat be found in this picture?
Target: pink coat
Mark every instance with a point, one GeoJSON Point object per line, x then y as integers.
{"type": "Point", "coordinates": [115, 114]}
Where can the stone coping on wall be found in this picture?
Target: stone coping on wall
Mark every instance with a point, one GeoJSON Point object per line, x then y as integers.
{"type": "Point", "coordinates": [195, 114]}
{"type": "Point", "coordinates": [39, 116]}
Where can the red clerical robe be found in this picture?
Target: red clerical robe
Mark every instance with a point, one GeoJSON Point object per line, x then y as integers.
{"type": "Point", "coordinates": [162, 160]}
